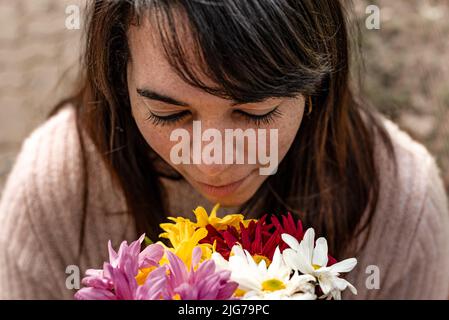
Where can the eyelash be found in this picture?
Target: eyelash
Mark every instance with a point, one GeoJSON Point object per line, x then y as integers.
{"type": "Point", "coordinates": [258, 120]}
{"type": "Point", "coordinates": [171, 119]}
{"type": "Point", "coordinates": [264, 119]}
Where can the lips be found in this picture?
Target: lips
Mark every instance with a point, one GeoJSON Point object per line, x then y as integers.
{"type": "Point", "coordinates": [220, 186]}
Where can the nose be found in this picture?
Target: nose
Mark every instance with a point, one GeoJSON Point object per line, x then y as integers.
{"type": "Point", "coordinates": [208, 148]}
{"type": "Point", "coordinates": [211, 170]}
{"type": "Point", "coordinates": [208, 156]}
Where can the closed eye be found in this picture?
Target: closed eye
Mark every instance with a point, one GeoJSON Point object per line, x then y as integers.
{"type": "Point", "coordinates": [265, 119]}
{"type": "Point", "coordinates": [258, 120]}
{"type": "Point", "coordinates": [170, 119]}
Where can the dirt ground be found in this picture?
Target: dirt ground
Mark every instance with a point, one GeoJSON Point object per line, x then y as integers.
{"type": "Point", "coordinates": [407, 68]}
{"type": "Point", "coordinates": [36, 52]}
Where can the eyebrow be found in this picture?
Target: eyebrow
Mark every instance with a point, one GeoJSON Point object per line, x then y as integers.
{"type": "Point", "coordinates": [149, 94]}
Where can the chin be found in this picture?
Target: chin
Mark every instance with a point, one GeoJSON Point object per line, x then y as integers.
{"type": "Point", "coordinates": [231, 201]}
{"type": "Point", "coordinates": [235, 200]}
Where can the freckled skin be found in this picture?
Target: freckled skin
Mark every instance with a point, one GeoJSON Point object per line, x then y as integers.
{"type": "Point", "coordinates": [148, 68]}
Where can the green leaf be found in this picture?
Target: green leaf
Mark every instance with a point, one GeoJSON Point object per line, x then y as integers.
{"type": "Point", "coordinates": [148, 241]}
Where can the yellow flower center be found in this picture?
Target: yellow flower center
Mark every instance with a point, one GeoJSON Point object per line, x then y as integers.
{"type": "Point", "coordinates": [258, 258]}
{"type": "Point", "coordinates": [239, 293]}
{"type": "Point", "coordinates": [316, 267]}
{"type": "Point", "coordinates": [177, 297]}
{"type": "Point", "coordinates": [273, 285]}
{"type": "Point", "coordinates": [143, 275]}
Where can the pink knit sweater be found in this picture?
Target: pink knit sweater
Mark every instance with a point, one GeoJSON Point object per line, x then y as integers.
{"type": "Point", "coordinates": [41, 204]}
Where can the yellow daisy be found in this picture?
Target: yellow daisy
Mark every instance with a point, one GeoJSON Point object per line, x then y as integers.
{"type": "Point", "coordinates": [184, 236]}
{"type": "Point", "coordinates": [203, 219]}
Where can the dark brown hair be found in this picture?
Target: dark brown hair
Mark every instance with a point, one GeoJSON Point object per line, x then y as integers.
{"type": "Point", "coordinates": [252, 50]}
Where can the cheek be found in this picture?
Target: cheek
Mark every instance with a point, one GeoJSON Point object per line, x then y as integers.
{"type": "Point", "coordinates": [158, 138]}
{"type": "Point", "coordinates": [288, 130]}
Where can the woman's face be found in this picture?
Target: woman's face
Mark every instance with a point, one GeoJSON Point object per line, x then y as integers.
{"type": "Point", "coordinates": [161, 103]}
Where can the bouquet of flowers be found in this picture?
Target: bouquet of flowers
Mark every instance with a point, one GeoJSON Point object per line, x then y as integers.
{"type": "Point", "coordinates": [221, 258]}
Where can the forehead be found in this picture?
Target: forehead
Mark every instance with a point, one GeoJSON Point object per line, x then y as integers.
{"type": "Point", "coordinates": [148, 59]}
{"type": "Point", "coordinates": [151, 69]}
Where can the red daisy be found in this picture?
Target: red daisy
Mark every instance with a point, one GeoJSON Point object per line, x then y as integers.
{"type": "Point", "coordinates": [259, 238]}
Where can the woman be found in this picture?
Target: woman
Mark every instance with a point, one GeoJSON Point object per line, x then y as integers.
{"type": "Point", "coordinates": [102, 166]}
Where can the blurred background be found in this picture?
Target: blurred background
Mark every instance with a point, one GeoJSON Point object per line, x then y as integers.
{"type": "Point", "coordinates": [407, 68]}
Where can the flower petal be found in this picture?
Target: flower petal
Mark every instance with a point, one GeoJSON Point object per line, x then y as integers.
{"type": "Point", "coordinates": [202, 219]}
{"type": "Point", "coordinates": [196, 256]}
{"type": "Point", "coordinates": [291, 241]}
{"type": "Point", "coordinates": [307, 244]}
{"type": "Point", "coordinates": [320, 253]}
{"type": "Point", "coordinates": [343, 266]}
{"type": "Point", "coordinates": [177, 267]}
{"type": "Point", "coordinates": [112, 254]}
{"type": "Point", "coordinates": [94, 294]}
{"type": "Point", "coordinates": [326, 284]}
{"type": "Point", "coordinates": [150, 256]}
{"type": "Point", "coordinates": [220, 262]}
{"type": "Point", "coordinates": [277, 262]}
{"type": "Point", "coordinates": [342, 284]}
{"type": "Point", "coordinates": [296, 261]}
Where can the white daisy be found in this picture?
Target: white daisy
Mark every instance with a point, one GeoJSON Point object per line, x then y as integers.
{"type": "Point", "coordinates": [311, 259]}
{"type": "Point", "coordinates": [257, 281]}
